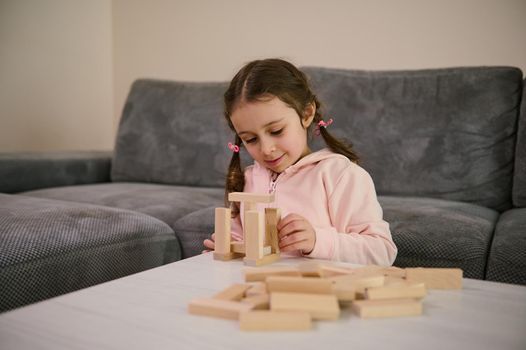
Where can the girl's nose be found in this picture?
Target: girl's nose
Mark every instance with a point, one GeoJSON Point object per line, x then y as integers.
{"type": "Point", "coordinates": [267, 147]}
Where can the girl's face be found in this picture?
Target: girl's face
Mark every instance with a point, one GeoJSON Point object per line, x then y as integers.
{"type": "Point", "coordinates": [272, 132]}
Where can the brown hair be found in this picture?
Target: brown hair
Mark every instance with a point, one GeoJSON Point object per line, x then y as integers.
{"type": "Point", "coordinates": [255, 82]}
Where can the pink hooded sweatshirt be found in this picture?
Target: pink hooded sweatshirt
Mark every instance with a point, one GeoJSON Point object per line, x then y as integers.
{"type": "Point", "coordinates": [337, 197]}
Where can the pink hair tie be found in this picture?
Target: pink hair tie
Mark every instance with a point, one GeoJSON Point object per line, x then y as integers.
{"type": "Point", "coordinates": [322, 124]}
{"type": "Point", "coordinates": [233, 148]}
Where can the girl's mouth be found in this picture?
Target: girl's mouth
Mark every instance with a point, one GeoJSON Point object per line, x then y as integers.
{"type": "Point", "coordinates": [274, 162]}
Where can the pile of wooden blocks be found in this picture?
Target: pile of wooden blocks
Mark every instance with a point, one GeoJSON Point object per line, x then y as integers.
{"type": "Point", "coordinates": [290, 298]}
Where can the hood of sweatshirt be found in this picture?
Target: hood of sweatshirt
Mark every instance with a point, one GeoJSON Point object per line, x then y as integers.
{"type": "Point", "coordinates": [307, 161]}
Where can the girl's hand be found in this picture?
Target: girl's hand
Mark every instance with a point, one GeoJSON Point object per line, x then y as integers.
{"type": "Point", "coordinates": [210, 243]}
{"type": "Point", "coordinates": [296, 233]}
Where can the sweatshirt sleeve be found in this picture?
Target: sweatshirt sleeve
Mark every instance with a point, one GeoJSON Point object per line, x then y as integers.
{"type": "Point", "coordinates": [358, 233]}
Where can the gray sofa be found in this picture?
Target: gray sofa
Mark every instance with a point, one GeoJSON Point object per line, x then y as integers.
{"type": "Point", "coordinates": [445, 147]}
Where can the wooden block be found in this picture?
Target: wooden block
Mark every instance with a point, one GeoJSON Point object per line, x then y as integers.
{"type": "Point", "coordinates": [368, 270]}
{"type": "Point", "coordinates": [267, 259]}
{"type": "Point", "coordinates": [390, 271]}
{"type": "Point", "coordinates": [330, 271]}
{"type": "Point", "coordinates": [436, 278]}
{"type": "Point", "coordinates": [397, 281]}
{"type": "Point", "coordinates": [387, 308]}
{"type": "Point", "coordinates": [319, 306]}
{"type": "Point", "coordinates": [235, 292]}
{"type": "Point", "coordinates": [272, 218]}
{"type": "Point", "coordinates": [310, 269]}
{"type": "Point", "coordinates": [267, 250]}
{"type": "Point", "coordinates": [396, 291]}
{"type": "Point", "coordinates": [256, 288]}
{"type": "Point", "coordinates": [359, 282]}
{"type": "Point", "coordinates": [275, 321]}
{"type": "Point", "coordinates": [254, 234]}
{"type": "Point", "coordinates": [344, 293]}
{"type": "Point", "coordinates": [218, 308]}
{"type": "Point", "coordinates": [260, 274]}
{"type": "Point", "coordinates": [250, 197]}
{"type": "Point", "coordinates": [393, 271]}
{"type": "Point", "coordinates": [288, 284]}
{"type": "Point", "coordinates": [247, 206]}
{"type": "Point", "coordinates": [238, 247]}
{"type": "Point", "coordinates": [258, 302]}
{"type": "Point", "coordinates": [224, 257]}
{"type": "Point", "coordinates": [222, 231]}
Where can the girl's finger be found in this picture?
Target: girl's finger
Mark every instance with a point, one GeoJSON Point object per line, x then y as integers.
{"type": "Point", "coordinates": [209, 244]}
{"type": "Point", "coordinates": [298, 245]}
{"type": "Point", "coordinates": [291, 228]}
{"type": "Point", "coordinates": [292, 239]}
{"type": "Point", "coordinates": [287, 220]}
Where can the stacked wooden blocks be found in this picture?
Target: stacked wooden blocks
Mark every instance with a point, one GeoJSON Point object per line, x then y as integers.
{"type": "Point", "coordinates": [260, 246]}
{"type": "Point", "coordinates": [290, 298]}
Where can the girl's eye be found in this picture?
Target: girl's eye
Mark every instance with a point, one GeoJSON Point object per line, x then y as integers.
{"type": "Point", "coordinates": [252, 140]}
{"type": "Point", "coordinates": [277, 132]}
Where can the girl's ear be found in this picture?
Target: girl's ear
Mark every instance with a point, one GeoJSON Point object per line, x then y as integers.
{"type": "Point", "coordinates": [308, 115]}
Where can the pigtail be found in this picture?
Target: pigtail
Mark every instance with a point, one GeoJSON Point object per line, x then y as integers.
{"type": "Point", "coordinates": [235, 178]}
{"type": "Point", "coordinates": [336, 145]}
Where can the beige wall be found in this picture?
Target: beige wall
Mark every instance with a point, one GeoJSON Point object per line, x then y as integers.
{"type": "Point", "coordinates": [209, 40]}
{"type": "Point", "coordinates": [56, 89]}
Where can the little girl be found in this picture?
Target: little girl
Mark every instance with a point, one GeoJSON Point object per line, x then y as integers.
{"type": "Point", "coordinates": [328, 203]}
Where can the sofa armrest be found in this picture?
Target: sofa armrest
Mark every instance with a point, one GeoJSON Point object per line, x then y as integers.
{"type": "Point", "coordinates": [29, 171]}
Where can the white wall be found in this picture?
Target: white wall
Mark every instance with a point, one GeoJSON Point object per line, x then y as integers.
{"type": "Point", "coordinates": [56, 89]}
{"type": "Point", "coordinates": [211, 40]}
{"type": "Point", "coordinates": [62, 57]}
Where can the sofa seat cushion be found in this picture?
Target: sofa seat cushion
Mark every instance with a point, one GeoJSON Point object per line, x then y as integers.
{"type": "Point", "coordinates": [507, 258]}
{"type": "Point", "coordinates": [50, 247]}
{"type": "Point", "coordinates": [164, 202]}
{"type": "Point", "coordinates": [440, 233]}
{"type": "Point", "coordinates": [193, 229]}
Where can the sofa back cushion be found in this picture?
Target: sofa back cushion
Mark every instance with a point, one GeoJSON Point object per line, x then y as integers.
{"type": "Point", "coordinates": [442, 133]}
{"type": "Point", "coordinates": [519, 175]}
{"type": "Point", "coordinates": [173, 133]}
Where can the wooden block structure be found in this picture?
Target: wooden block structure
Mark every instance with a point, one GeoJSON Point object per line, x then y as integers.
{"type": "Point", "coordinates": [292, 297]}
{"type": "Point", "coordinates": [260, 245]}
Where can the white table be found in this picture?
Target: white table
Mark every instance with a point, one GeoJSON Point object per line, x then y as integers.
{"type": "Point", "coordinates": [149, 311]}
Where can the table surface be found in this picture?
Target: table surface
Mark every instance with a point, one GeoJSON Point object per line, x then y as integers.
{"type": "Point", "coordinates": [148, 310]}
